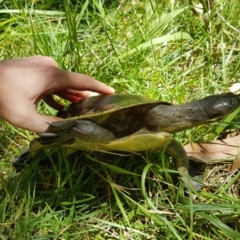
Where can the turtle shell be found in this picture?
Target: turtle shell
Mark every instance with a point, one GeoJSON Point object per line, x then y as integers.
{"type": "Point", "coordinates": [122, 114]}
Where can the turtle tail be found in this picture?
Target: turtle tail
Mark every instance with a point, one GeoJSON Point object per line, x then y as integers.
{"type": "Point", "coordinates": [22, 159]}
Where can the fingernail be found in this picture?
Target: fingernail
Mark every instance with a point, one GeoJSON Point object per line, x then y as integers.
{"type": "Point", "coordinates": [113, 90]}
{"type": "Point", "coordinates": [92, 94]}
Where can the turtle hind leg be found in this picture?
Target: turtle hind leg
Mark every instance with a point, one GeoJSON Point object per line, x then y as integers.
{"type": "Point", "coordinates": [189, 174]}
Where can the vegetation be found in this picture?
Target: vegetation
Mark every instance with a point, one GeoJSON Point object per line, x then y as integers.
{"type": "Point", "coordinates": [170, 50]}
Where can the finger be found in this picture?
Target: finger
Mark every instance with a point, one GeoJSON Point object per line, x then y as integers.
{"type": "Point", "coordinates": [74, 95]}
{"type": "Point", "coordinates": [52, 102]}
{"type": "Point", "coordinates": [82, 82]}
{"type": "Point", "coordinates": [69, 97]}
{"type": "Point", "coordinates": [81, 94]}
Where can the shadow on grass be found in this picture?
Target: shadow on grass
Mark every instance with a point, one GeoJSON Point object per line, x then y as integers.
{"type": "Point", "coordinates": [97, 194]}
{"type": "Point", "coordinates": [82, 190]}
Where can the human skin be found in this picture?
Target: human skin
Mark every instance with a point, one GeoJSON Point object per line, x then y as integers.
{"type": "Point", "coordinates": [25, 81]}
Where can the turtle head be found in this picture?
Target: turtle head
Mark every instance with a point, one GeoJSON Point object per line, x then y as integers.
{"type": "Point", "coordinates": [218, 106]}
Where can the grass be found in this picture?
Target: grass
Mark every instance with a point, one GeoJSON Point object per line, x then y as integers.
{"type": "Point", "coordinates": [161, 49]}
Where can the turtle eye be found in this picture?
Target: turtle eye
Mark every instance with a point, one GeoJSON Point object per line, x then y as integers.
{"type": "Point", "coordinates": [233, 102]}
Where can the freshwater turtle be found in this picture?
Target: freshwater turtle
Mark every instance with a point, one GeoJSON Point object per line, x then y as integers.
{"type": "Point", "coordinates": [131, 123]}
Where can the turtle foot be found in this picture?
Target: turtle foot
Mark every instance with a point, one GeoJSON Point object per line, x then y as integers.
{"type": "Point", "coordinates": [196, 183]}
{"type": "Point", "coordinates": [196, 175]}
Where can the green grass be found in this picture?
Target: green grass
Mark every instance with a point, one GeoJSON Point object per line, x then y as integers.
{"type": "Point", "coordinates": [155, 48]}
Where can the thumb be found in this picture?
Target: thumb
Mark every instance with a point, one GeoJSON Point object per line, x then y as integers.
{"type": "Point", "coordinates": [38, 123]}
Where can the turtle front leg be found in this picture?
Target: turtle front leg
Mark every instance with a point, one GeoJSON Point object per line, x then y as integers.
{"type": "Point", "coordinates": [60, 133]}
{"type": "Point", "coordinates": [176, 150]}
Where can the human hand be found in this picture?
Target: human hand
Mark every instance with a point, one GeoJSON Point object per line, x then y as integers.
{"type": "Point", "coordinates": [25, 81]}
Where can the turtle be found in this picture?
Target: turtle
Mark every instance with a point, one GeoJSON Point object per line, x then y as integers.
{"type": "Point", "coordinates": [131, 123]}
